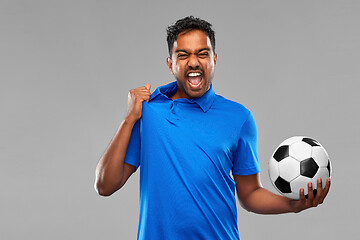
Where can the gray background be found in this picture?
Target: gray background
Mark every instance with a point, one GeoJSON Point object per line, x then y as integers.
{"type": "Point", "coordinates": [66, 68]}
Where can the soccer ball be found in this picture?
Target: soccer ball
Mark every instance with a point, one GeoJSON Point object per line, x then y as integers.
{"type": "Point", "coordinates": [297, 161]}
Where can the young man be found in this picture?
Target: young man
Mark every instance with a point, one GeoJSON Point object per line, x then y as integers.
{"type": "Point", "coordinates": [187, 141]}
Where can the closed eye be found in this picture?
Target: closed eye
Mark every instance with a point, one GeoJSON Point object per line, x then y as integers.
{"type": "Point", "coordinates": [204, 54]}
{"type": "Point", "coordinates": [182, 56]}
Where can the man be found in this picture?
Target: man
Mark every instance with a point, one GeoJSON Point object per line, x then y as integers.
{"type": "Point", "coordinates": [187, 141]}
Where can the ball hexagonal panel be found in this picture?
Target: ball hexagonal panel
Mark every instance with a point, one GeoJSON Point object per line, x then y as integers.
{"type": "Point", "coordinates": [300, 151]}
{"type": "Point", "coordinates": [289, 169]}
{"type": "Point", "coordinates": [308, 168]}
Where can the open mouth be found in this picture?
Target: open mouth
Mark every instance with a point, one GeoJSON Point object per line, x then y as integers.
{"type": "Point", "coordinates": [194, 79]}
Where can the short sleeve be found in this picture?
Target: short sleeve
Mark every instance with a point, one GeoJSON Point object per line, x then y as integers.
{"type": "Point", "coordinates": [133, 150]}
{"type": "Point", "coordinates": [246, 161]}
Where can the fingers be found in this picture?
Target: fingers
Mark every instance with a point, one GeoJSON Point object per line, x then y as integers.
{"type": "Point", "coordinates": [310, 201]}
{"type": "Point", "coordinates": [314, 198]}
{"type": "Point", "coordinates": [144, 89]}
{"type": "Point", "coordinates": [135, 99]}
{"type": "Point", "coordinates": [325, 190]}
{"type": "Point", "coordinates": [141, 93]}
{"type": "Point", "coordinates": [300, 205]}
{"type": "Point", "coordinates": [318, 191]}
{"type": "Point", "coordinates": [314, 194]}
{"type": "Point", "coordinates": [317, 197]}
{"type": "Point", "coordinates": [302, 196]}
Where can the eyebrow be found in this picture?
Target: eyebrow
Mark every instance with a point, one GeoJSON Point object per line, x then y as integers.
{"type": "Point", "coordinates": [183, 50]}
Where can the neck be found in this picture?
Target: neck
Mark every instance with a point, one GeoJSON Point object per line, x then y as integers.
{"type": "Point", "coordinates": [179, 94]}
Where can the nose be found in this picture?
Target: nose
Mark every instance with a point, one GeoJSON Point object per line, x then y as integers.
{"type": "Point", "coordinates": [193, 61]}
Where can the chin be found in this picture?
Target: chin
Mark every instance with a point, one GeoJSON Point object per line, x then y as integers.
{"type": "Point", "coordinates": [196, 94]}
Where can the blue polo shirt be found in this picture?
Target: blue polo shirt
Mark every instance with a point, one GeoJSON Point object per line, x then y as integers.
{"type": "Point", "coordinates": [186, 150]}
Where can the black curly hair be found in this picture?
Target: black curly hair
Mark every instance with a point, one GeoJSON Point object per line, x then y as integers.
{"type": "Point", "coordinates": [188, 24]}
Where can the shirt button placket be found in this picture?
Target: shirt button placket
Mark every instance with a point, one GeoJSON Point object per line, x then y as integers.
{"type": "Point", "coordinates": [173, 112]}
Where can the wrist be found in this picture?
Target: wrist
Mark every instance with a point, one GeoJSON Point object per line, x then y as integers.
{"type": "Point", "coordinates": [293, 206]}
{"type": "Point", "coordinates": [129, 120]}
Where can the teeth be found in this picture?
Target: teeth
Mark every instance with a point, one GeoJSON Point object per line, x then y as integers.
{"type": "Point", "coordinates": [194, 74]}
{"type": "Point", "coordinates": [195, 85]}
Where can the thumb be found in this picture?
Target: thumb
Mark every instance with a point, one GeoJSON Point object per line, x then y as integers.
{"type": "Point", "coordinates": [148, 86]}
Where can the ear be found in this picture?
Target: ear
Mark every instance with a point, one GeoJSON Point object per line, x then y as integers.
{"type": "Point", "coordinates": [169, 64]}
{"type": "Point", "coordinates": [215, 58]}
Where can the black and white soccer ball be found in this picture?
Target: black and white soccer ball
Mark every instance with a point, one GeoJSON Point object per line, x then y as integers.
{"type": "Point", "coordinates": [297, 161]}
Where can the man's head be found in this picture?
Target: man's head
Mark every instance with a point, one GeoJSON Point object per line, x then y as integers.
{"type": "Point", "coordinates": [192, 60]}
{"type": "Point", "coordinates": [188, 24]}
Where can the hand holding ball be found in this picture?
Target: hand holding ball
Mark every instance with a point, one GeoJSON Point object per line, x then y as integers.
{"type": "Point", "coordinates": [297, 161]}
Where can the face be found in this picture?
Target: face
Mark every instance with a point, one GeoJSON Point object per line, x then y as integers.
{"type": "Point", "coordinates": [192, 63]}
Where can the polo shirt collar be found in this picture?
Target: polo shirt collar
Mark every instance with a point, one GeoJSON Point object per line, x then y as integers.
{"type": "Point", "coordinates": [205, 101]}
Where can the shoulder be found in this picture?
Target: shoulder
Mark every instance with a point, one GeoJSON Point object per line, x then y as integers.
{"type": "Point", "coordinates": [227, 105]}
{"type": "Point", "coordinates": [235, 115]}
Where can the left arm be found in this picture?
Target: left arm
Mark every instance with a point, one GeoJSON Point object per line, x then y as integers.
{"type": "Point", "coordinates": [253, 197]}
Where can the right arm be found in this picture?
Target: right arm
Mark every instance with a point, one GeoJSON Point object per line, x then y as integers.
{"type": "Point", "coordinates": [111, 171]}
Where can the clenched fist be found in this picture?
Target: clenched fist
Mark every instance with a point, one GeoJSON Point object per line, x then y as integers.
{"type": "Point", "coordinates": [135, 98]}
